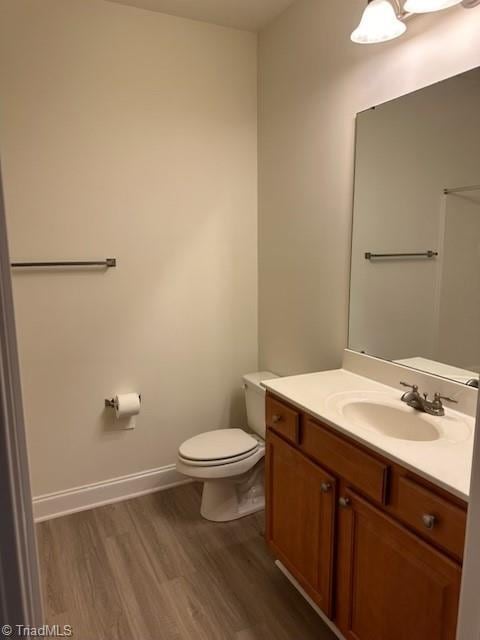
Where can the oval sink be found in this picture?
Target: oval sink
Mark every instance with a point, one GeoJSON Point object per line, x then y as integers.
{"type": "Point", "coordinates": [388, 416]}
{"type": "Point", "coordinates": [391, 421]}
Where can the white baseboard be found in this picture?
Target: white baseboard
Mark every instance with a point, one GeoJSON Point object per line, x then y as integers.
{"type": "Point", "coordinates": [61, 503]}
{"type": "Point", "coordinates": [314, 606]}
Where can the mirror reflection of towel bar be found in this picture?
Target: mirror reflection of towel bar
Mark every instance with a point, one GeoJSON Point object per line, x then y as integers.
{"type": "Point", "coordinates": [475, 187]}
{"type": "Point", "coordinates": [424, 254]}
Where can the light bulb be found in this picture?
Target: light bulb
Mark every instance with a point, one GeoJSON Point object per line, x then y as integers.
{"type": "Point", "coordinates": [379, 23]}
{"type": "Point", "coordinates": [427, 6]}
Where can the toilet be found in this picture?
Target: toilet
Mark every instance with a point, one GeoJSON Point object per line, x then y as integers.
{"type": "Point", "coordinates": [230, 462]}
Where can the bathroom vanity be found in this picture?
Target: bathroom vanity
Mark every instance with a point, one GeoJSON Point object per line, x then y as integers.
{"type": "Point", "coordinates": [366, 495]}
{"type": "Point", "coordinates": [369, 520]}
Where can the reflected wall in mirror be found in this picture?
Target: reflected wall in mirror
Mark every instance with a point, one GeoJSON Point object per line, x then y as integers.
{"type": "Point", "coordinates": [417, 191]}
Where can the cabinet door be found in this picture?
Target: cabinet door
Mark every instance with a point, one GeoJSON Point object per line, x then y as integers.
{"type": "Point", "coordinates": [393, 585]}
{"type": "Point", "coordinates": [300, 508]}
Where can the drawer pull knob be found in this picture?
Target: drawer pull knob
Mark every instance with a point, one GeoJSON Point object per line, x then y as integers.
{"type": "Point", "coordinates": [276, 418]}
{"type": "Point", "coordinates": [344, 502]}
{"type": "Point", "coordinates": [428, 520]}
{"type": "Point", "coordinates": [325, 487]}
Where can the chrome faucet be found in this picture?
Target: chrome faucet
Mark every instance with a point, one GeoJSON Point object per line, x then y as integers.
{"type": "Point", "coordinates": [416, 401]}
{"type": "Point", "coordinates": [412, 398]}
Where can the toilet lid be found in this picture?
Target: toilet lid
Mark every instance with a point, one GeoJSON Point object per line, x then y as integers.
{"type": "Point", "coordinates": [218, 445]}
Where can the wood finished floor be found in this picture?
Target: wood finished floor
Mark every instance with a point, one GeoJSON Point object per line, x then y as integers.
{"type": "Point", "coordinates": [152, 569]}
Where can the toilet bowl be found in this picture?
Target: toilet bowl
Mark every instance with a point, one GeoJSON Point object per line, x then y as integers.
{"type": "Point", "coordinates": [229, 462]}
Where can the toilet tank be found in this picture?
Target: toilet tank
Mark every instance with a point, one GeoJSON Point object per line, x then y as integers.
{"type": "Point", "coordinates": [255, 400]}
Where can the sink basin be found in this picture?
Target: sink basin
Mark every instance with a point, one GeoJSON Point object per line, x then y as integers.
{"type": "Point", "coordinates": [391, 421]}
{"type": "Point", "coordinates": [388, 416]}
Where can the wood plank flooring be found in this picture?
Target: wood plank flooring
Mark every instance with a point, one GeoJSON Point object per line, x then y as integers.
{"type": "Point", "coordinates": [152, 569]}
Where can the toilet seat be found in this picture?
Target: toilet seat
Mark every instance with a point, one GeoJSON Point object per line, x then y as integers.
{"type": "Point", "coordinates": [221, 469]}
{"type": "Point", "coordinates": [219, 447]}
{"type": "Point", "coordinates": [216, 463]}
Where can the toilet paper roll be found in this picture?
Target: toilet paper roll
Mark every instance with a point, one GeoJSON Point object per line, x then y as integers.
{"type": "Point", "coordinates": [127, 404]}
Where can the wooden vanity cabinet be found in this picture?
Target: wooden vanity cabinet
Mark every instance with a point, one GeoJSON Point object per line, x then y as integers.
{"type": "Point", "coordinates": [300, 522]}
{"type": "Point", "coordinates": [350, 526]}
{"type": "Point", "coordinates": [393, 585]}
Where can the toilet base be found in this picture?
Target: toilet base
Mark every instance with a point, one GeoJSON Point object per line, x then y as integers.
{"type": "Point", "coordinates": [232, 498]}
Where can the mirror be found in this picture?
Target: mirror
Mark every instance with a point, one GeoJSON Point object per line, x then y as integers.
{"type": "Point", "coordinates": [415, 272]}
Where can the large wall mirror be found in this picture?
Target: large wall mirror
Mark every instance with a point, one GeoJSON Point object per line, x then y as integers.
{"type": "Point", "coordinates": [415, 275]}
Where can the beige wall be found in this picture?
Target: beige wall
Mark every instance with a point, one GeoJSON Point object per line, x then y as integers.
{"type": "Point", "coordinates": [312, 82]}
{"type": "Point", "coordinates": [131, 134]}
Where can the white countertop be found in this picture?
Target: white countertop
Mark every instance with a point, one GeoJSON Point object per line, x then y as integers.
{"type": "Point", "coordinates": [445, 463]}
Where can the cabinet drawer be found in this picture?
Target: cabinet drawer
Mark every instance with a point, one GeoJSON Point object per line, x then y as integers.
{"type": "Point", "coordinates": [359, 469]}
{"type": "Point", "coordinates": [282, 419]}
{"type": "Point", "coordinates": [431, 515]}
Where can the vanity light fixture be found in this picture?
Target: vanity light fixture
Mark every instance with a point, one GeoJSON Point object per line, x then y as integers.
{"type": "Point", "coordinates": [384, 20]}
{"type": "Point", "coordinates": [379, 23]}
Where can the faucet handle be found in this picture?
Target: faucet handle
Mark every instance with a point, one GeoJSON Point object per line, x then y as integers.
{"type": "Point", "coordinates": [410, 386]}
{"type": "Point", "coordinates": [439, 398]}
{"type": "Point", "coordinates": [410, 396]}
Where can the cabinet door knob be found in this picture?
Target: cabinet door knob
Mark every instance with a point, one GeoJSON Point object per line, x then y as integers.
{"type": "Point", "coordinates": [429, 520]}
{"type": "Point", "coordinates": [344, 502]}
{"type": "Point", "coordinates": [276, 419]}
{"type": "Point", "coordinates": [325, 487]}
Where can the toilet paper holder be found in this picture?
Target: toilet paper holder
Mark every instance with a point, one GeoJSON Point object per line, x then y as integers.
{"type": "Point", "coordinates": [111, 403]}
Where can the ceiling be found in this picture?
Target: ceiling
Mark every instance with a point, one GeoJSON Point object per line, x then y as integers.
{"type": "Point", "coordinates": [240, 14]}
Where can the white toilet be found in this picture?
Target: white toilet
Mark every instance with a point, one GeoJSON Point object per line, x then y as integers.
{"type": "Point", "coordinates": [230, 461]}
